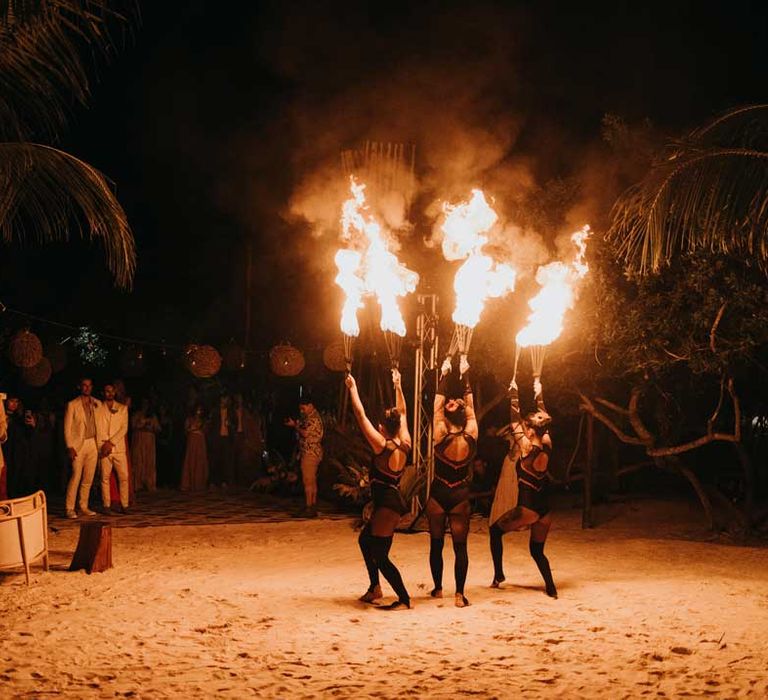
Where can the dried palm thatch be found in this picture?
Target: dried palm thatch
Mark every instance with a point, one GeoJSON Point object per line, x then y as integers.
{"type": "Point", "coordinates": [46, 193]}
{"type": "Point", "coordinates": [43, 72]}
{"type": "Point", "coordinates": [707, 191]}
{"type": "Point", "coordinates": [385, 168]}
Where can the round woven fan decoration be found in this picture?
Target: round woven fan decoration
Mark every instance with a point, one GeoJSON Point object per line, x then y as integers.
{"type": "Point", "coordinates": [25, 349]}
{"type": "Point", "coordinates": [39, 374]}
{"type": "Point", "coordinates": [286, 360]}
{"type": "Point", "coordinates": [333, 357]}
{"type": "Point", "coordinates": [203, 360]}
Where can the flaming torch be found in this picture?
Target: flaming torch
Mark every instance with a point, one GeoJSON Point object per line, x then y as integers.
{"type": "Point", "coordinates": [369, 267]}
{"type": "Point", "coordinates": [557, 294]}
{"type": "Point", "coordinates": [347, 262]}
{"type": "Point", "coordinates": [480, 277]}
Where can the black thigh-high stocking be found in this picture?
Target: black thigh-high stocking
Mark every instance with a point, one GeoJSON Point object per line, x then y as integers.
{"type": "Point", "coordinates": [381, 547]}
{"type": "Point", "coordinates": [436, 518]}
{"type": "Point", "coordinates": [436, 561]}
{"type": "Point", "coordinates": [537, 552]}
{"type": "Point", "coordinates": [366, 547]}
{"type": "Point", "coordinates": [459, 521]}
{"type": "Point", "coordinates": [497, 553]}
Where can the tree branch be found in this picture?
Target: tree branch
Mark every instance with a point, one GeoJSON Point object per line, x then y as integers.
{"type": "Point", "coordinates": [588, 406]}
{"type": "Point", "coordinates": [614, 407]}
{"type": "Point", "coordinates": [713, 330]}
{"type": "Point", "coordinates": [635, 420]}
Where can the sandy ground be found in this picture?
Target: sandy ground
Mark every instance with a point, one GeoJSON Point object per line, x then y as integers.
{"type": "Point", "coordinates": [270, 610]}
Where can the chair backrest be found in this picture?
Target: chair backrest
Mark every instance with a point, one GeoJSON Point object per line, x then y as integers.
{"type": "Point", "coordinates": [27, 515]}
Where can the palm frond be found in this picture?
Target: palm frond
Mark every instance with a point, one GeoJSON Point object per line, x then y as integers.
{"type": "Point", "coordinates": [709, 191]}
{"type": "Point", "coordinates": [45, 193]}
{"type": "Point", "coordinates": [42, 69]}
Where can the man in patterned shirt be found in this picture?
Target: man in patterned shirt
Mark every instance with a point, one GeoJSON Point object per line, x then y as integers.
{"type": "Point", "coordinates": [310, 430]}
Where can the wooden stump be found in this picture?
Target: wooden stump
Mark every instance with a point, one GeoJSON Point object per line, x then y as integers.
{"type": "Point", "coordinates": [94, 548]}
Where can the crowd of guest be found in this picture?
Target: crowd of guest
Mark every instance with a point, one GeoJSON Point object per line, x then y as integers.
{"type": "Point", "coordinates": [102, 447]}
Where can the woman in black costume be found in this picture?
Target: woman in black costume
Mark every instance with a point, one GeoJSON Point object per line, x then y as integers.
{"type": "Point", "coordinates": [391, 443]}
{"type": "Point", "coordinates": [532, 446]}
{"type": "Point", "coordinates": [455, 440]}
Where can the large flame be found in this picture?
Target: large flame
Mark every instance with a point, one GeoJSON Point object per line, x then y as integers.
{"type": "Point", "coordinates": [369, 266]}
{"type": "Point", "coordinates": [480, 277]}
{"type": "Point", "coordinates": [557, 294]}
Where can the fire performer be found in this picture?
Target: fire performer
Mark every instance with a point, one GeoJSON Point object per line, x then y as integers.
{"type": "Point", "coordinates": [455, 437]}
{"type": "Point", "coordinates": [391, 443]}
{"type": "Point", "coordinates": [532, 446]}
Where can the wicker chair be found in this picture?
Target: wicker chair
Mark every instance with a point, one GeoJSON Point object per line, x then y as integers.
{"type": "Point", "coordinates": [24, 532]}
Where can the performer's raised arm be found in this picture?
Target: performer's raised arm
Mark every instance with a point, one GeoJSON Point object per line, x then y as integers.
{"type": "Point", "coordinates": [439, 428]}
{"type": "Point", "coordinates": [538, 395]}
{"type": "Point", "coordinates": [469, 401]}
{"type": "Point", "coordinates": [374, 437]}
{"type": "Point", "coordinates": [405, 435]}
{"type": "Point", "coordinates": [515, 418]}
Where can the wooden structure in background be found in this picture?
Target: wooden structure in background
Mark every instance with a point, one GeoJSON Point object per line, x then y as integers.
{"type": "Point", "coordinates": [385, 168]}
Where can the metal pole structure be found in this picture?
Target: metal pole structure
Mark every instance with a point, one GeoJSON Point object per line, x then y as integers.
{"type": "Point", "coordinates": [425, 378]}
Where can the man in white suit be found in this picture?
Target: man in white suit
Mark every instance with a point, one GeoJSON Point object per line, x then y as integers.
{"type": "Point", "coordinates": [81, 436]}
{"type": "Point", "coordinates": [112, 422]}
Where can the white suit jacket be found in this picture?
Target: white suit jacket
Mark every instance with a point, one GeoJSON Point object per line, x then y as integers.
{"type": "Point", "coordinates": [112, 426]}
{"type": "Point", "coordinates": [74, 423]}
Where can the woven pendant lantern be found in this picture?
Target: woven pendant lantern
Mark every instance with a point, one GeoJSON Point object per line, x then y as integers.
{"type": "Point", "coordinates": [286, 360]}
{"type": "Point", "coordinates": [333, 357]}
{"type": "Point", "coordinates": [39, 374]}
{"type": "Point", "coordinates": [57, 356]}
{"type": "Point", "coordinates": [232, 356]}
{"type": "Point", "coordinates": [25, 349]}
{"type": "Point", "coordinates": [202, 360]}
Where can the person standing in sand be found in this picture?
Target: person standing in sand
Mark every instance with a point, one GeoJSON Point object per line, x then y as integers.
{"type": "Point", "coordinates": [391, 443]}
{"type": "Point", "coordinates": [81, 438]}
{"type": "Point", "coordinates": [310, 430]}
{"type": "Point", "coordinates": [455, 437]}
{"type": "Point", "coordinates": [533, 447]}
{"type": "Point", "coordinates": [112, 417]}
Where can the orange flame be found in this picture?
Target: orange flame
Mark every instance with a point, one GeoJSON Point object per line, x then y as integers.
{"type": "Point", "coordinates": [557, 294]}
{"type": "Point", "coordinates": [369, 266]}
{"type": "Point", "coordinates": [480, 277]}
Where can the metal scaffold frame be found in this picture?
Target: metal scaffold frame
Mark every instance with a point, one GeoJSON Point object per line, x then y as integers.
{"type": "Point", "coordinates": [424, 387]}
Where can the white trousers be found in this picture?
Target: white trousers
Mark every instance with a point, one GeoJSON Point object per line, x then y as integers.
{"type": "Point", "coordinates": [120, 464]}
{"type": "Point", "coordinates": [83, 470]}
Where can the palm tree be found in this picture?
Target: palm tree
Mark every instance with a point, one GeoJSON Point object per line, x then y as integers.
{"type": "Point", "coordinates": [44, 192]}
{"type": "Point", "coordinates": [708, 190]}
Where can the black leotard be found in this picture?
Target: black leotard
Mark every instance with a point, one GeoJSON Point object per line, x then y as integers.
{"type": "Point", "coordinates": [533, 491]}
{"type": "Point", "coordinates": [451, 483]}
{"type": "Point", "coordinates": [385, 484]}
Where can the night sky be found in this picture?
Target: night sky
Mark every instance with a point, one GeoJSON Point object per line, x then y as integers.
{"type": "Point", "coordinates": [212, 120]}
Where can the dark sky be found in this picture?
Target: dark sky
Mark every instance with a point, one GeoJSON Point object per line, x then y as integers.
{"type": "Point", "coordinates": [212, 117]}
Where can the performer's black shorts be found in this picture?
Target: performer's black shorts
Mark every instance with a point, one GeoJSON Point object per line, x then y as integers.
{"type": "Point", "coordinates": [537, 501]}
{"type": "Point", "coordinates": [388, 497]}
{"type": "Point", "coordinates": [448, 497]}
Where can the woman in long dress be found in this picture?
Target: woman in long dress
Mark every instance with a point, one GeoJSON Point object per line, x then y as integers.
{"type": "Point", "coordinates": [145, 426]}
{"type": "Point", "coordinates": [194, 472]}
